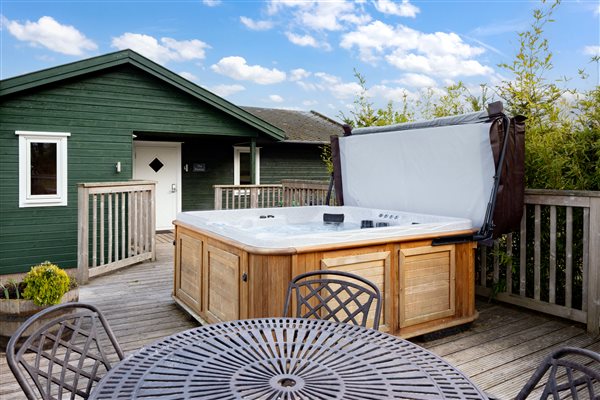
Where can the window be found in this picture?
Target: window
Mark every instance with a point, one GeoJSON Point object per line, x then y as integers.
{"type": "Point", "coordinates": [241, 166]}
{"type": "Point", "coordinates": [42, 168]}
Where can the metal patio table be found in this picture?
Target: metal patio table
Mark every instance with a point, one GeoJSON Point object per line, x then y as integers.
{"type": "Point", "coordinates": [284, 358]}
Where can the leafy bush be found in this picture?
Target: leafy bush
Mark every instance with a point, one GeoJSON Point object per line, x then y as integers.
{"type": "Point", "coordinates": [46, 284]}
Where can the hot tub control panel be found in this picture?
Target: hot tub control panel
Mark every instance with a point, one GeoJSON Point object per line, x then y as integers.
{"type": "Point", "coordinates": [388, 216]}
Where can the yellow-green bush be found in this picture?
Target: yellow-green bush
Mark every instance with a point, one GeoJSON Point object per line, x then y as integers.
{"type": "Point", "coordinates": [46, 284]}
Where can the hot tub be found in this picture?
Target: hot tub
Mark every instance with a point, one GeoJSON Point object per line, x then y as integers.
{"type": "Point", "coordinates": [237, 264]}
{"type": "Point", "coordinates": [392, 182]}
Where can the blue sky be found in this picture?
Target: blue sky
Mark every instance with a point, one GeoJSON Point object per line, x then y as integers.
{"type": "Point", "coordinates": [301, 54]}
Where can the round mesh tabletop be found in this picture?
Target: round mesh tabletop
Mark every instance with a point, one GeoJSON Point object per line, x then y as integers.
{"type": "Point", "coordinates": [284, 358]}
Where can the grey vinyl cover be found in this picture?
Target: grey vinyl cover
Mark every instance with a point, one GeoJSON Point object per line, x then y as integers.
{"type": "Point", "coordinates": [430, 167]}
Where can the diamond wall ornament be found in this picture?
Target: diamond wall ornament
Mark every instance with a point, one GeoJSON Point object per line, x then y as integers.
{"type": "Point", "coordinates": [156, 165]}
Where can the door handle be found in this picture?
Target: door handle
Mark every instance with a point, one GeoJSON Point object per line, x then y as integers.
{"type": "Point", "coordinates": [173, 188]}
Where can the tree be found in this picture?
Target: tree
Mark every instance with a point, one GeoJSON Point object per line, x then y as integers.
{"type": "Point", "coordinates": [529, 93]}
{"type": "Point", "coordinates": [364, 113]}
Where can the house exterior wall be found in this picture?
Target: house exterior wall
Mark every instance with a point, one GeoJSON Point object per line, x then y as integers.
{"type": "Point", "coordinates": [101, 112]}
{"type": "Point", "coordinates": [277, 162]}
{"type": "Point", "coordinates": [197, 187]}
{"type": "Point", "coordinates": [291, 161]}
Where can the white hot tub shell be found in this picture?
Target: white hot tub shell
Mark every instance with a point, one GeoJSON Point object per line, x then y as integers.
{"type": "Point", "coordinates": [298, 227]}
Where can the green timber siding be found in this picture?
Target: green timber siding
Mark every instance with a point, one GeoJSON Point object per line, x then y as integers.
{"type": "Point", "coordinates": [197, 187]}
{"type": "Point", "coordinates": [101, 111]}
{"type": "Point", "coordinates": [291, 161]}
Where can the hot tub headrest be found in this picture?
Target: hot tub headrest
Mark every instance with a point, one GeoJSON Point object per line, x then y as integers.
{"type": "Point", "coordinates": [333, 218]}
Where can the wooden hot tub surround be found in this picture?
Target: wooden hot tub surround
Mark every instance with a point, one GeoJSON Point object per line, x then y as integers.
{"type": "Point", "coordinates": [425, 288]}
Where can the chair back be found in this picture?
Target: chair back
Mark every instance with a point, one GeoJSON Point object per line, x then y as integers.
{"type": "Point", "coordinates": [570, 373]}
{"type": "Point", "coordinates": [334, 295]}
{"type": "Point", "coordinates": [65, 356]}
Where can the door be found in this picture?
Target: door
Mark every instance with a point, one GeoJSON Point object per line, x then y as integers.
{"type": "Point", "coordinates": [161, 162]}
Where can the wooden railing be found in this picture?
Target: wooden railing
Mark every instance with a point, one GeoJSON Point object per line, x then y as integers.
{"type": "Point", "coordinates": [552, 264]}
{"type": "Point", "coordinates": [291, 192]}
{"type": "Point", "coordinates": [305, 193]}
{"type": "Point", "coordinates": [116, 223]}
{"type": "Point", "coordinates": [231, 197]}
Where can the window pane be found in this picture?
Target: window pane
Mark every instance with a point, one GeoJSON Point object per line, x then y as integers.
{"type": "Point", "coordinates": [245, 169]}
{"type": "Point", "coordinates": [43, 168]}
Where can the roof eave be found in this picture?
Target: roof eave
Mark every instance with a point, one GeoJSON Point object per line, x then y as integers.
{"type": "Point", "coordinates": [321, 142]}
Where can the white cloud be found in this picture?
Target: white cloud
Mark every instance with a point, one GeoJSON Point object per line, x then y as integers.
{"type": "Point", "coordinates": [211, 3]}
{"type": "Point", "coordinates": [444, 66]}
{"type": "Point", "coordinates": [275, 98]}
{"type": "Point", "coordinates": [417, 80]}
{"type": "Point", "coordinates": [309, 103]}
{"type": "Point", "coordinates": [326, 15]}
{"type": "Point", "coordinates": [227, 90]}
{"type": "Point", "coordinates": [49, 33]}
{"type": "Point", "coordinates": [404, 9]}
{"type": "Point", "coordinates": [597, 10]}
{"type": "Point", "coordinates": [593, 51]}
{"type": "Point", "coordinates": [439, 54]}
{"type": "Point", "coordinates": [441, 43]}
{"type": "Point", "coordinates": [320, 15]}
{"type": "Point", "coordinates": [308, 86]}
{"type": "Point", "coordinates": [373, 39]}
{"type": "Point", "coordinates": [276, 6]}
{"type": "Point", "coordinates": [166, 50]}
{"type": "Point", "coordinates": [256, 25]}
{"type": "Point", "coordinates": [298, 74]}
{"type": "Point", "coordinates": [306, 41]}
{"type": "Point", "coordinates": [395, 94]}
{"type": "Point", "coordinates": [235, 67]}
{"type": "Point", "coordinates": [189, 76]}
{"type": "Point", "coordinates": [337, 88]}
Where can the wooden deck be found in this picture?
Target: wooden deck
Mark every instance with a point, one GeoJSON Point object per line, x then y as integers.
{"type": "Point", "coordinates": [499, 351]}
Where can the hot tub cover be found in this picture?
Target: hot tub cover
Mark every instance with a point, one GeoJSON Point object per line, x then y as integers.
{"type": "Point", "coordinates": [445, 166]}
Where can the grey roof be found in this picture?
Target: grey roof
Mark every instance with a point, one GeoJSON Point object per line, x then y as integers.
{"type": "Point", "coordinates": [299, 126]}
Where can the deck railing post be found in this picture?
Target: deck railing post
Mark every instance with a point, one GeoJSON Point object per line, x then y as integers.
{"type": "Point", "coordinates": [83, 225]}
{"type": "Point", "coordinates": [593, 302]}
{"type": "Point", "coordinates": [254, 197]}
{"type": "Point", "coordinates": [152, 227]}
{"type": "Point", "coordinates": [218, 197]}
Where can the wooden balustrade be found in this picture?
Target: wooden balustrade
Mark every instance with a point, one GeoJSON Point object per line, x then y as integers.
{"type": "Point", "coordinates": [291, 192]}
{"type": "Point", "coordinates": [552, 264]}
{"type": "Point", "coordinates": [305, 193]}
{"type": "Point", "coordinates": [232, 197]}
{"type": "Point", "coordinates": [116, 223]}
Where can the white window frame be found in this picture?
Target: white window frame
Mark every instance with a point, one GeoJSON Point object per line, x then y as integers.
{"type": "Point", "coordinates": [237, 150]}
{"type": "Point", "coordinates": [26, 199]}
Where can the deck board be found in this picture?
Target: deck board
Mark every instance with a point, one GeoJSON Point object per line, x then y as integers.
{"type": "Point", "coordinates": [499, 351]}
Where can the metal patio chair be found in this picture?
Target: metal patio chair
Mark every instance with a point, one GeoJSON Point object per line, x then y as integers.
{"type": "Point", "coordinates": [572, 373]}
{"type": "Point", "coordinates": [65, 354]}
{"type": "Point", "coordinates": [334, 295]}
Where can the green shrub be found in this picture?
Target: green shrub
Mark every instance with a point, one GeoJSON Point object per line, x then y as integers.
{"type": "Point", "coordinates": [46, 284]}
